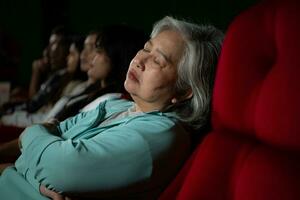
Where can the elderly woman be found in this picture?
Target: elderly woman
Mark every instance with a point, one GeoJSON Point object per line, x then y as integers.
{"type": "Point", "coordinates": [124, 149]}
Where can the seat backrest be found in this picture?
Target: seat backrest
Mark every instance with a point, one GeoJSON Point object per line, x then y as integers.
{"type": "Point", "coordinates": [253, 151]}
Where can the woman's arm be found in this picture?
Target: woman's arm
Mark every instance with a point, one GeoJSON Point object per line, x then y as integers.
{"type": "Point", "coordinates": [39, 67]}
{"type": "Point", "coordinates": [10, 151]}
{"type": "Point", "coordinates": [105, 161]}
{"type": "Point", "coordinates": [101, 161]}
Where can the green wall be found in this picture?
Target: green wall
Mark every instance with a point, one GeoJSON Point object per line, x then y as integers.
{"type": "Point", "coordinates": [25, 19]}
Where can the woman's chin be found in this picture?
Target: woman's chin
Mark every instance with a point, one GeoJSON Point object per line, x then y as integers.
{"type": "Point", "coordinates": [128, 88]}
{"type": "Point", "coordinates": [130, 85]}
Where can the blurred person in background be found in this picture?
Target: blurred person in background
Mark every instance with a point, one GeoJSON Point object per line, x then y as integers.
{"type": "Point", "coordinates": [50, 89]}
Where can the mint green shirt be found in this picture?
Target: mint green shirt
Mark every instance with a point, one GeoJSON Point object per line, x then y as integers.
{"type": "Point", "coordinates": [126, 157]}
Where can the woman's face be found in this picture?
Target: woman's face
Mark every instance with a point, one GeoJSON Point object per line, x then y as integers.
{"type": "Point", "coordinates": [57, 52]}
{"type": "Point", "coordinates": [88, 53]}
{"type": "Point", "coordinates": [152, 73]}
{"type": "Point", "coordinates": [73, 58]}
{"type": "Point", "coordinates": [100, 67]}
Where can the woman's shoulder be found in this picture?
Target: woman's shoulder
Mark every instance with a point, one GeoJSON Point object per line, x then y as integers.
{"type": "Point", "coordinates": [161, 117]}
{"type": "Point", "coordinates": [117, 104]}
{"type": "Point", "coordinates": [68, 89]}
{"type": "Point", "coordinates": [155, 122]}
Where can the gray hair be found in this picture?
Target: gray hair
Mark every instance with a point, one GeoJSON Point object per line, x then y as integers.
{"type": "Point", "coordinates": [196, 68]}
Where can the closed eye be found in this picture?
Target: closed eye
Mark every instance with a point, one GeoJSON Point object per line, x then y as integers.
{"type": "Point", "coordinates": [146, 50]}
{"type": "Point", "coordinates": [147, 47]}
{"type": "Point", "coordinates": [157, 61]}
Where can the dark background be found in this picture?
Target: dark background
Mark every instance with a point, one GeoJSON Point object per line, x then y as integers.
{"type": "Point", "coordinates": [25, 25]}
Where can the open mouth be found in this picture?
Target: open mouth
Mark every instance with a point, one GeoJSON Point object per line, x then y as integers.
{"type": "Point", "coordinates": [132, 75]}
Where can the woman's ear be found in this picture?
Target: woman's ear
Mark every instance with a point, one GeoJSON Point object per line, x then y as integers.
{"type": "Point", "coordinates": [187, 95]}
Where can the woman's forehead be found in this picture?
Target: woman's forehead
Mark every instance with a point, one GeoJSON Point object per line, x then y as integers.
{"type": "Point", "coordinates": [170, 43]}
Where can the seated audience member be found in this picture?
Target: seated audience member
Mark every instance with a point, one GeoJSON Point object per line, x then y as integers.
{"type": "Point", "coordinates": [88, 52]}
{"type": "Point", "coordinates": [73, 76]}
{"type": "Point", "coordinates": [20, 93]}
{"type": "Point", "coordinates": [116, 45]}
{"type": "Point", "coordinates": [51, 88]}
{"type": "Point", "coordinates": [42, 67]}
{"type": "Point", "coordinates": [125, 149]}
{"type": "Point", "coordinates": [52, 60]}
{"type": "Point", "coordinates": [86, 58]}
{"type": "Point", "coordinates": [75, 73]}
{"type": "Point", "coordinates": [39, 72]}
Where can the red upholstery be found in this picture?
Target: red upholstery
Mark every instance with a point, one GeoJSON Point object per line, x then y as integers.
{"type": "Point", "coordinates": [253, 151]}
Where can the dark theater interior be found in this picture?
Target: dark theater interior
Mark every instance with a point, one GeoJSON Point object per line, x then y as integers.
{"type": "Point", "coordinates": [150, 100]}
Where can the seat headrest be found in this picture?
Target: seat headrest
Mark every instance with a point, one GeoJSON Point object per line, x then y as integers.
{"type": "Point", "coordinates": [257, 88]}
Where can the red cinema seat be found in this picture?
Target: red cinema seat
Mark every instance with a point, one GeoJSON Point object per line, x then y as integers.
{"type": "Point", "coordinates": [253, 150]}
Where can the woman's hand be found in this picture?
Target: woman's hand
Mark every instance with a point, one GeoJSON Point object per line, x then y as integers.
{"type": "Point", "coordinates": [51, 125]}
{"type": "Point", "coordinates": [51, 194]}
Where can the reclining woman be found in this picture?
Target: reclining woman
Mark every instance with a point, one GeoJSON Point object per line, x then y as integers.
{"type": "Point", "coordinates": [126, 149]}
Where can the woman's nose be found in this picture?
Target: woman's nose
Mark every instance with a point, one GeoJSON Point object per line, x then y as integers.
{"type": "Point", "coordinates": [140, 61]}
{"type": "Point", "coordinates": [139, 64]}
{"type": "Point", "coordinates": [94, 60]}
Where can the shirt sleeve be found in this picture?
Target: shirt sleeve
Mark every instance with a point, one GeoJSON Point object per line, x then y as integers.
{"type": "Point", "coordinates": [108, 160]}
{"type": "Point", "coordinates": [86, 117]}
{"type": "Point", "coordinates": [82, 119]}
{"type": "Point", "coordinates": [32, 132]}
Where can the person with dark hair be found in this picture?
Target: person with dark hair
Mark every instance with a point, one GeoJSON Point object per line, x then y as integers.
{"type": "Point", "coordinates": [73, 60]}
{"type": "Point", "coordinates": [20, 119]}
{"type": "Point", "coordinates": [115, 46]}
{"type": "Point", "coordinates": [125, 149]}
{"type": "Point", "coordinates": [71, 77]}
{"type": "Point", "coordinates": [56, 52]}
{"type": "Point", "coordinates": [54, 58]}
{"type": "Point", "coordinates": [105, 62]}
{"type": "Point", "coordinates": [81, 55]}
